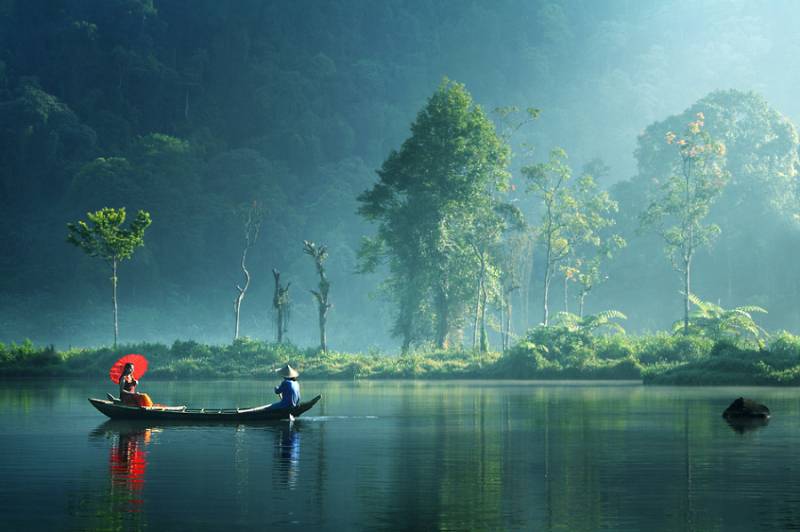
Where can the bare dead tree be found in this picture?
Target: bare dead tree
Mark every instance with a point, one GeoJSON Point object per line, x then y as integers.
{"type": "Point", "coordinates": [280, 302]}
{"type": "Point", "coordinates": [320, 254]}
{"type": "Point", "coordinates": [251, 218]}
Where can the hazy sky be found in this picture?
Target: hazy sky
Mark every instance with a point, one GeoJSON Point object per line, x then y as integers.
{"type": "Point", "coordinates": [639, 62]}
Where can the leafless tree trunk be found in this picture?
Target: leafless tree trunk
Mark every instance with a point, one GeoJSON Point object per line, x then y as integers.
{"type": "Point", "coordinates": [728, 257]}
{"type": "Point", "coordinates": [506, 311]}
{"type": "Point", "coordinates": [276, 305]}
{"type": "Point", "coordinates": [687, 277]}
{"type": "Point", "coordinates": [320, 254]}
{"type": "Point", "coordinates": [484, 344]}
{"type": "Point", "coordinates": [583, 297]}
{"type": "Point", "coordinates": [237, 303]}
{"type": "Point", "coordinates": [526, 276]}
{"type": "Point", "coordinates": [688, 250]}
{"type": "Point", "coordinates": [442, 316]}
{"type": "Point", "coordinates": [405, 322]}
{"type": "Point", "coordinates": [114, 299]}
{"type": "Point", "coordinates": [280, 302]}
{"type": "Point", "coordinates": [546, 290]}
{"type": "Point", "coordinates": [507, 327]}
{"type": "Point", "coordinates": [503, 324]}
{"type": "Point", "coordinates": [525, 292]}
{"type": "Point", "coordinates": [252, 225]}
{"type": "Point", "coordinates": [480, 299]}
{"type": "Point", "coordinates": [477, 313]}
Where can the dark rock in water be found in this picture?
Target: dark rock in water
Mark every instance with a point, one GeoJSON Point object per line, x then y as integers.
{"type": "Point", "coordinates": [743, 408]}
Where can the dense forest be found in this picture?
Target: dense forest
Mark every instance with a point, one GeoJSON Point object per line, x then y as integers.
{"type": "Point", "coordinates": [570, 121]}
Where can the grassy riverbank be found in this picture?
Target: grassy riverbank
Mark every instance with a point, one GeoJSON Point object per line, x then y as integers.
{"type": "Point", "coordinates": [545, 353]}
{"type": "Point", "coordinates": [776, 364]}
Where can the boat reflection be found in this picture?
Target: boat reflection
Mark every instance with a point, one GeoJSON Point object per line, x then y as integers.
{"type": "Point", "coordinates": [128, 454]}
{"type": "Point", "coordinates": [127, 468]}
{"type": "Point", "coordinates": [287, 450]}
{"type": "Point", "coordinates": [284, 439]}
{"type": "Point", "coordinates": [127, 461]}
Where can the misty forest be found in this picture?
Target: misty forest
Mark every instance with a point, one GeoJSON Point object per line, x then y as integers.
{"type": "Point", "coordinates": [399, 265]}
{"type": "Point", "coordinates": [402, 188]}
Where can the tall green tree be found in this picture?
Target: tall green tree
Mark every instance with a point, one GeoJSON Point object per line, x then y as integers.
{"type": "Point", "coordinates": [105, 237]}
{"type": "Point", "coordinates": [573, 215]}
{"type": "Point", "coordinates": [515, 257]}
{"type": "Point", "coordinates": [549, 182]}
{"type": "Point", "coordinates": [488, 223]}
{"type": "Point", "coordinates": [427, 203]}
{"type": "Point", "coordinates": [514, 254]}
{"type": "Point", "coordinates": [748, 259]}
{"type": "Point", "coordinates": [590, 238]}
{"type": "Point", "coordinates": [683, 200]}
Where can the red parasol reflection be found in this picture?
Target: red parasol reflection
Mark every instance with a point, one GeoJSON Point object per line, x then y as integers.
{"type": "Point", "coordinates": [128, 463]}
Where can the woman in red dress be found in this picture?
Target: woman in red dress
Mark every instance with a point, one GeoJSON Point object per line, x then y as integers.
{"type": "Point", "coordinates": [127, 389]}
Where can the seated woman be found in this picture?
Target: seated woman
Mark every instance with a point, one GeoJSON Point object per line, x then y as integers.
{"type": "Point", "coordinates": [289, 390]}
{"type": "Point", "coordinates": [127, 389]}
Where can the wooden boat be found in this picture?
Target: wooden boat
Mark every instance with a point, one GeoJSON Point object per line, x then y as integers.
{"type": "Point", "coordinates": [116, 410]}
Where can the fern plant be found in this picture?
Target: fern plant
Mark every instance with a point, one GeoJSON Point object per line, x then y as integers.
{"type": "Point", "coordinates": [717, 323]}
{"type": "Point", "coordinates": [592, 322]}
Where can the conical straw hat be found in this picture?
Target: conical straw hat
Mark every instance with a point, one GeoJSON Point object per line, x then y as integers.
{"type": "Point", "coordinates": [288, 372]}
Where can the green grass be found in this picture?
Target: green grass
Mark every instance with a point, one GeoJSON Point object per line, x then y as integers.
{"type": "Point", "coordinates": [544, 353]}
{"type": "Point", "coordinates": [731, 364]}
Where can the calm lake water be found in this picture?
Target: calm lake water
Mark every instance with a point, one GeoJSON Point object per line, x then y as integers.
{"type": "Point", "coordinates": [403, 456]}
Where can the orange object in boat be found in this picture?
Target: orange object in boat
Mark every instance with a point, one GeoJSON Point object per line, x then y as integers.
{"type": "Point", "coordinates": [144, 400]}
{"type": "Point", "coordinates": [141, 399]}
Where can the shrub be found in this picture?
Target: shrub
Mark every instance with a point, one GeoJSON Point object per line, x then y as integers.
{"type": "Point", "coordinates": [562, 345]}
{"type": "Point", "coordinates": [189, 349]}
{"type": "Point", "coordinates": [663, 347]}
{"type": "Point", "coordinates": [616, 347]}
{"type": "Point", "coordinates": [527, 360]}
{"type": "Point", "coordinates": [544, 353]}
{"type": "Point", "coordinates": [785, 346]}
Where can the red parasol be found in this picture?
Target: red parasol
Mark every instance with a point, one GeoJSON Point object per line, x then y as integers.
{"type": "Point", "coordinates": [139, 367]}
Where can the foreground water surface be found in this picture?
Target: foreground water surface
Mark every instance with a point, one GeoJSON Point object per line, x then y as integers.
{"type": "Point", "coordinates": [401, 456]}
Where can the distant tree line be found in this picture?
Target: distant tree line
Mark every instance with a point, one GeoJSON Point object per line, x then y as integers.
{"type": "Point", "coordinates": [188, 114]}
{"type": "Point", "coordinates": [451, 237]}
{"type": "Point", "coordinates": [444, 217]}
